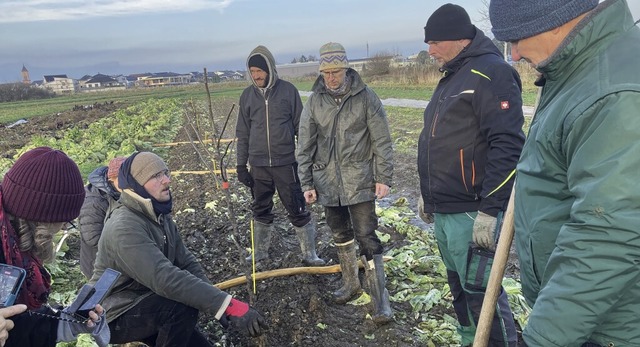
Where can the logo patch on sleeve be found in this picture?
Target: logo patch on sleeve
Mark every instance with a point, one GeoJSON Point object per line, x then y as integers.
{"type": "Point", "coordinates": [504, 105]}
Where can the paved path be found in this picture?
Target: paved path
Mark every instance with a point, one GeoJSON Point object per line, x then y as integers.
{"type": "Point", "coordinates": [411, 103]}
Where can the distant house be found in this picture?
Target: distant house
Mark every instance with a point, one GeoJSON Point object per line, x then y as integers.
{"type": "Point", "coordinates": [99, 83]}
{"type": "Point", "coordinates": [229, 75]}
{"type": "Point", "coordinates": [162, 79]}
{"type": "Point", "coordinates": [60, 84]}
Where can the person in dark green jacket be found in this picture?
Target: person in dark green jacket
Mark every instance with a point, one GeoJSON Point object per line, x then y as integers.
{"type": "Point", "coordinates": [345, 163]}
{"type": "Point", "coordinates": [162, 286]}
{"type": "Point", "coordinates": [577, 199]}
{"type": "Point", "coordinates": [467, 154]}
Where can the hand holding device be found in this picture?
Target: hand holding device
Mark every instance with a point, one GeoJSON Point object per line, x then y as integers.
{"type": "Point", "coordinates": [11, 278]}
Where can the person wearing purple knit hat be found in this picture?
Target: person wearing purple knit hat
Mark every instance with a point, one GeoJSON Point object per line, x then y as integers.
{"type": "Point", "coordinates": [577, 197]}
{"type": "Point", "coordinates": [41, 192]}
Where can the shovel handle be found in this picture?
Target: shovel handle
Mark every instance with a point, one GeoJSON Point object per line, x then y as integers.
{"type": "Point", "coordinates": [495, 277]}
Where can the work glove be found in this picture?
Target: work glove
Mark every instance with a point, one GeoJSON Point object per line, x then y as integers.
{"type": "Point", "coordinates": [244, 176]}
{"type": "Point", "coordinates": [484, 229]}
{"type": "Point", "coordinates": [68, 330]}
{"type": "Point", "coordinates": [426, 217]}
{"type": "Point", "coordinates": [245, 318]}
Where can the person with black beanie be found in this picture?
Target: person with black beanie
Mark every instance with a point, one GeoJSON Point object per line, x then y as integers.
{"type": "Point", "coordinates": [266, 130]}
{"type": "Point", "coordinates": [467, 154]}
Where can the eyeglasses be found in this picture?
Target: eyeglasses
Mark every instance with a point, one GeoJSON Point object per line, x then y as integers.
{"type": "Point", "coordinates": [334, 73]}
{"type": "Point", "coordinates": [68, 226]}
{"type": "Point", "coordinates": [160, 175]}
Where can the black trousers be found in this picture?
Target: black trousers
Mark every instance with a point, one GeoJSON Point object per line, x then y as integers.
{"type": "Point", "coordinates": [357, 221]}
{"type": "Point", "coordinates": [285, 180]}
{"type": "Point", "coordinates": [159, 322]}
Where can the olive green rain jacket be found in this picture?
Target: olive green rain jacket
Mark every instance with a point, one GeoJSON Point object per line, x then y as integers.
{"type": "Point", "coordinates": [344, 150]}
{"type": "Point", "coordinates": [577, 191]}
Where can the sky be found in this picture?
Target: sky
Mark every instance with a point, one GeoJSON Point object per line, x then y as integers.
{"type": "Point", "coordinates": [80, 37]}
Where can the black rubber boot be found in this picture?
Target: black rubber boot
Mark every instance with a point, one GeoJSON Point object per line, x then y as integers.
{"type": "Point", "coordinates": [349, 266]}
{"type": "Point", "coordinates": [307, 236]}
{"type": "Point", "coordinates": [262, 240]}
{"type": "Point", "coordinates": [376, 281]}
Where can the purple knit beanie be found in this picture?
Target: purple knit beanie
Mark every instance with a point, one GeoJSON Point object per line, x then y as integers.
{"type": "Point", "coordinates": [43, 185]}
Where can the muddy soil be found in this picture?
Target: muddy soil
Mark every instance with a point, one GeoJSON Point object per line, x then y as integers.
{"type": "Point", "coordinates": [298, 309]}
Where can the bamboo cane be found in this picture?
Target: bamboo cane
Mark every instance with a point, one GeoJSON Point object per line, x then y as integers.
{"type": "Point", "coordinates": [310, 270]}
{"type": "Point", "coordinates": [495, 277]}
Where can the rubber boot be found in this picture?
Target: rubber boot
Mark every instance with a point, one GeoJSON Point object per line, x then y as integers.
{"type": "Point", "coordinates": [349, 266]}
{"type": "Point", "coordinates": [262, 240]}
{"type": "Point", "coordinates": [307, 236]}
{"type": "Point", "coordinates": [376, 281]}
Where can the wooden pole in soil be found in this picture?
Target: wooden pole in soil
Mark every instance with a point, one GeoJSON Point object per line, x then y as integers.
{"type": "Point", "coordinates": [310, 270]}
{"type": "Point", "coordinates": [495, 277]}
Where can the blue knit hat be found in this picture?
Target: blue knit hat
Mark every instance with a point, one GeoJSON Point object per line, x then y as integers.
{"type": "Point", "coordinates": [514, 20]}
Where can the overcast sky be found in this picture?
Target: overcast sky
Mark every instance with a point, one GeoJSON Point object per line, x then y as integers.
{"type": "Point", "coordinates": [78, 37]}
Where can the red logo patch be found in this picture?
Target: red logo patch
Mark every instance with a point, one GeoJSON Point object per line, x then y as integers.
{"type": "Point", "coordinates": [504, 105]}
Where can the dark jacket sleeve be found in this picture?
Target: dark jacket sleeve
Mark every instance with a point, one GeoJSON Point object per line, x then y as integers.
{"type": "Point", "coordinates": [33, 331]}
{"type": "Point", "coordinates": [297, 111]}
{"type": "Point", "coordinates": [91, 222]}
{"type": "Point", "coordinates": [242, 129]}
{"type": "Point", "coordinates": [501, 119]}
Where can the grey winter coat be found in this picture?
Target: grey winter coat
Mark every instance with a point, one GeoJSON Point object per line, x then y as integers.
{"type": "Point", "coordinates": [149, 253]}
{"type": "Point", "coordinates": [268, 119]}
{"type": "Point", "coordinates": [345, 149]}
{"type": "Point", "coordinates": [99, 194]}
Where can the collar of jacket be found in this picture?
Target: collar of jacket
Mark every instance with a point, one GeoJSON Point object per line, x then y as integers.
{"type": "Point", "coordinates": [135, 202]}
{"type": "Point", "coordinates": [357, 84]}
{"type": "Point", "coordinates": [480, 45]}
{"type": "Point", "coordinates": [608, 19]}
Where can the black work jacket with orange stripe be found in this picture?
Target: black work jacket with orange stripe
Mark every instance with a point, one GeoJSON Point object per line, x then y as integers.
{"type": "Point", "coordinates": [472, 135]}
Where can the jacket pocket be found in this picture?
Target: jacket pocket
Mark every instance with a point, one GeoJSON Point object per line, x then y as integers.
{"type": "Point", "coordinates": [467, 171]}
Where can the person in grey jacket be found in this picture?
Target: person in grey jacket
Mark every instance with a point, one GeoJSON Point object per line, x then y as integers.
{"type": "Point", "coordinates": [266, 132]}
{"type": "Point", "coordinates": [345, 163]}
{"type": "Point", "coordinates": [101, 191]}
{"type": "Point", "coordinates": [162, 288]}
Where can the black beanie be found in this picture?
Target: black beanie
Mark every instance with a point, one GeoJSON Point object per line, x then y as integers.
{"type": "Point", "coordinates": [258, 61]}
{"type": "Point", "coordinates": [449, 23]}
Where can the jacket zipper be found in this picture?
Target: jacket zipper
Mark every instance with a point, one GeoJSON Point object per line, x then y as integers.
{"type": "Point", "coordinates": [266, 105]}
{"type": "Point", "coordinates": [433, 133]}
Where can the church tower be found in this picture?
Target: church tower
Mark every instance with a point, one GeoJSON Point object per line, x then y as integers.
{"type": "Point", "coordinates": [25, 75]}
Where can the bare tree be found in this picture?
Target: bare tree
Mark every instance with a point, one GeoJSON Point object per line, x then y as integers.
{"type": "Point", "coordinates": [379, 64]}
{"type": "Point", "coordinates": [485, 25]}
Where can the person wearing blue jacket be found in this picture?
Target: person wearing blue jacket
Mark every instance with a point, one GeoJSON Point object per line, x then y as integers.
{"type": "Point", "coordinates": [467, 154]}
{"type": "Point", "coordinates": [577, 198]}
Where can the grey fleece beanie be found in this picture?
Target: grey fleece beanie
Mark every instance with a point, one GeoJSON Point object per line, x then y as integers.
{"type": "Point", "coordinates": [514, 20]}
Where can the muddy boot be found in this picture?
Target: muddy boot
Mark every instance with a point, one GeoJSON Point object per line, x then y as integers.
{"type": "Point", "coordinates": [307, 236]}
{"type": "Point", "coordinates": [382, 313]}
{"type": "Point", "coordinates": [262, 240]}
{"type": "Point", "coordinates": [349, 266]}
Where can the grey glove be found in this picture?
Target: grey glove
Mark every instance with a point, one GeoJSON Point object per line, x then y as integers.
{"type": "Point", "coordinates": [426, 217]}
{"type": "Point", "coordinates": [484, 229]}
{"type": "Point", "coordinates": [68, 331]}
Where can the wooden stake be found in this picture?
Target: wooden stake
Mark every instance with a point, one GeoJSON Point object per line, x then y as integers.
{"type": "Point", "coordinates": [495, 277]}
